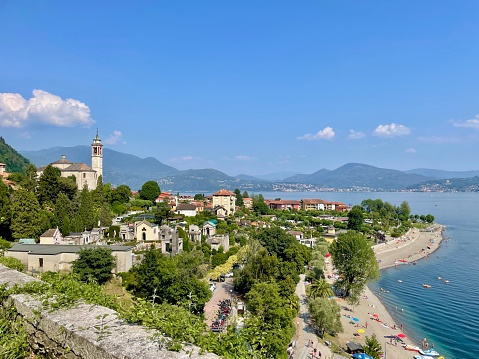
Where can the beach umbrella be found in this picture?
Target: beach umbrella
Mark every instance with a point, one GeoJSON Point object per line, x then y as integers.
{"type": "Point", "coordinates": [360, 331]}
{"type": "Point", "coordinates": [401, 335]}
{"type": "Point", "coordinates": [328, 255]}
{"type": "Point", "coordinates": [375, 315]}
{"type": "Point", "coordinates": [356, 319]}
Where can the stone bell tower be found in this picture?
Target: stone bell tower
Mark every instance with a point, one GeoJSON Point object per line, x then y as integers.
{"type": "Point", "coordinates": [97, 156]}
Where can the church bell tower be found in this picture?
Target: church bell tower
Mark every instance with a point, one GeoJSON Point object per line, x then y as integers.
{"type": "Point", "coordinates": [97, 156]}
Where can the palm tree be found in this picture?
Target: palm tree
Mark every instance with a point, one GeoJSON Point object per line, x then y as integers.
{"type": "Point", "coordinates": [320, 289]}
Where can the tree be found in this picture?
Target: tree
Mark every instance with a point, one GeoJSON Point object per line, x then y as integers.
{"type": "Point", "coordinates": [86, 210]}
{"type": "Point", "coordinates": [121, 194]}
{"type": "Point", "coordinates": [150, 191]}
{"type": "Point", "coordinates": [239, 198]}
{"type": "Point", "coordinates": [320, 288]}
{"type": "Point", "coordinates": [30, 179]}
{"type": "Point", "coordinates": [63, 214]}
{"type": "Point", "coordinates": [326, 314]}
{"type": "Point", "coordinates": [94, 264]}
{"type": "Point", "coordinates": [355, 218]}
{"type": "Point", "coordinates": [372, 347]}
{"type": "Point", "coordinates": [48, 187]}
{"type": "Point", "coordinates": [355, 262]}
{"type": "Point", "coordinates": [404, 210]}
{"type": "Point", "coordinates": [5, 212]}
{"type": "Point", "coordinates": [199, 197]}
{"type": "Point", "coordinates": [26, 217]}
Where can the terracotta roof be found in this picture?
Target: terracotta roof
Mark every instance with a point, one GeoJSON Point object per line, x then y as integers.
{"type": "Point", "coordinates": [224, 192]}
{"type": "Point", "coordinates": [313, 201]}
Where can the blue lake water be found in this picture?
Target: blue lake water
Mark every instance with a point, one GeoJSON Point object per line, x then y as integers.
{"type": "Point", "coordinates": [446, 314]}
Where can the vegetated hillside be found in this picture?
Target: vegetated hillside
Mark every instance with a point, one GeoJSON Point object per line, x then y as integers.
{"type": "Point", "coordinates": [312, 178]}
{"type": "Point", "coordinates": [207, 180]}
{"type": "Point", "coordinates": [15, 161]}
{"type": "Point", "coordinates": [358, 175]}
{"type": "Point", "coordinates": [277, 176]}
{"type": "Point", "coordinates": [118, 168]}
{"type": "Point", "coordinates": [470, 184]}
{"type": "Point", "coordinates": [250, 178]}
{"type": "Point", "coordinates": [441, 174]}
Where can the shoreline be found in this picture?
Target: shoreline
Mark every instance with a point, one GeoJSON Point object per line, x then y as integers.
{"type": "Point", "coordinates": [371, 316]}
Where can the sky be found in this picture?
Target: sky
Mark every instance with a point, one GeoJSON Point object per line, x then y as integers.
{"type": "Point", "coordinates": [246, 87]}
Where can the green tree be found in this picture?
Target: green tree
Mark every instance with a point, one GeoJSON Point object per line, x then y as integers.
{"type": "Point", "coordinates": [150, 191]}
{"type": "Point", "coordinates": [63, 214]}
{"type": "Point", "coordinates": [104, 215]}
{"type": "Point", "coordinates": [320, 288]}
{"type": "Point", "coordinates": [404, 210]}
{"type": "Point", "coordinates": [48, 186]}
{"type": "Point", "coordinates": [259, 205]}
{"type": "Point", "coordinates": [30, 179]}
{"type": "Point", "coordinates": [326, 314]}
{"type": "Point", "coordinates": [372, 347]}
{"type": "Point", "coordinates": [86, 211]}
{"type": "Point", "coordinates": [68, 186]}
{"type": "Point", "coordinates": [94, 264]}
{"type": "Point", "coordinates": [239, 198]}
{"type": "Point", "coordinates": [121, 194]}
{"type": "Point", "coordinates": [355, 262]}
{"type": "Point", "coordinates": [5, 212]}
{"type": "Point", "coordinates": [355, 218]}
{"type": "Point", "coordinates": [26, 217]}
{"type": "Point", "coordinates": [199, 197]}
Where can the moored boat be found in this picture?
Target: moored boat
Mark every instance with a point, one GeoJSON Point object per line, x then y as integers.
{"type": "Point", "coordinates": [411, 348]}
{"type": "Point", "coordinates": [427, 285]}
{"type": "Point", "coordinates": [429, 353]}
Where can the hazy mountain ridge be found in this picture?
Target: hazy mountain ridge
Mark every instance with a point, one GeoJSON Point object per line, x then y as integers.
{"type": "Point", "coordinates": [120, 168]}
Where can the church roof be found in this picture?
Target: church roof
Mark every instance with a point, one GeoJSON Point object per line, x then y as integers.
{"type": "Point", "coordinates": [62, 160]}
{"type": "Point", "coordinates": [79, 167]}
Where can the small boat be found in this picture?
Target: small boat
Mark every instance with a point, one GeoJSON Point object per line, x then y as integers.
{"type": "Point", "coordinates": [411, 348]}
{"type": "Point", "coordinates": [429, 353]}
{"type": "Point", "coordinates": [399, 280]}
{"type": "Point", "coordinates": [439, 278]}
{"type": "Point", "coordinates": [446, 281]}
{"type": "Point", "coordinates": [427, 286]}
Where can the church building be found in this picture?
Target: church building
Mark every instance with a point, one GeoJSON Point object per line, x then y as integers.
{"type": "Point", "coordinates": [84, 174]}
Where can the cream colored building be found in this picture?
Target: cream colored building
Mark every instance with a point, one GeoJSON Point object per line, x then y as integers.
{"type": "Point", "coordinates": [146, 231]}
{"type": "Point", "coordinates": [224, 203]}
{"type": "Point", "coordinates": [51, 236]}
{"type": "Point", "coordinates": [39, 258]}
{"type": "Point", "coordinates": [84, 174]}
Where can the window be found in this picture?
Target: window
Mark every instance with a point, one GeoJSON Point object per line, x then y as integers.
{"type": "Point", "coordinates": [84, 175]}
{"type": "Point", "coordinates": [40, 262]}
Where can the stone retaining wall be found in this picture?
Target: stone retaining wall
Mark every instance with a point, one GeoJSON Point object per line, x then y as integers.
{"type": "Point", "coordinates": [86, 331]}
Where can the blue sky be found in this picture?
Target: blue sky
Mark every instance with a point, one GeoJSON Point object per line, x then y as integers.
{"type": "Point", "coordinates": [250, 87]}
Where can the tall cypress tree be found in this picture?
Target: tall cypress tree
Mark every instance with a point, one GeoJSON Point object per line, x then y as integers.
{"type": "Point", "coordinates": [30, 179]}
{"type": "Point", "coordinates": [5, 212]}
{"type": "Point", "coordinates": [48, 187]}
{"type": "Point", "coordinates": [26, 218]}
{"type": "Point", "coordinates": [86, 209]}
{"type": "Point", "coordinates": [63, 213]}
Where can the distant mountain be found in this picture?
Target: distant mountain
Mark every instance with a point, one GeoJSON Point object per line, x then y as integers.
{"type": "Point", "coordinates": [15, 161]}
{"type": "Point", "coordinates": [358, 175]}
{"type": "Point", "coordinates": [118, 168]}
{"type": "Point", "coordinates": [249, 178]}
{"type": "Point", "coordinates": [470, 184]}
{"type": "Point", "coordinates": [443, 174]}
{"type": "Point", "coordinates": [276, 176]}
{"type": "Point", "coordinates": [207, 180]}
{"type": "Point", "coordinates": [312, 178]}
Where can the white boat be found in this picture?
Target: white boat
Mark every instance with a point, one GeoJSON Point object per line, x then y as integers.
{"type": "Point", "coordinates": [429, 353]}
{"type": "Point", "coordinates": [411, 348]}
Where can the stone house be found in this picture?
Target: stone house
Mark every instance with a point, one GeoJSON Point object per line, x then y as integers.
{"type": "Point", "coordinates": [51, 236]}
{"type": "Point", "coordinates": [146, 231]}
{"type": "Point", "coordinates": [186, 209]}
{"type": "Point", "coordinates": [194, 233]}
{"type": "Point", "coordinates": [219, 240]}
{"type": "Point", "coordinates": [209, 229]}
{"type": "Point", "coordinates": [39, 258]}
{"type": "Point", "coordinates": [171, 242]}
{"type": "Point", "coordinates": [224, 203]}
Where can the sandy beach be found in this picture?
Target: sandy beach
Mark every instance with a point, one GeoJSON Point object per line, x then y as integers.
{"type": "Point", "coordinates": [370, 315]}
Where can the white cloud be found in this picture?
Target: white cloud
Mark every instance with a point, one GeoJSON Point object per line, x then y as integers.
{"type": "Point", "coordinates": [243, 158]}
{"type": "Point", "coordinates": [356, 135]}
{"type": "Point", "coordinates": [43, 107]}
{"type": "Point", "coordinates": [26, 135]}
{"type": "Point", "coordinates": [410, 150]}
{"type": "Point", "coordinates": [115, 137]}
{"type": "Point", "coordinates": [472, 123]}
{"type": "Point", "coordinates": [391, 130]}
{"type": "Point", "coordinates": [326, 134]}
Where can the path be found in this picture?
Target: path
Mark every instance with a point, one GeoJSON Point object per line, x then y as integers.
{"type": "Point", "coordinates": [304, 332]}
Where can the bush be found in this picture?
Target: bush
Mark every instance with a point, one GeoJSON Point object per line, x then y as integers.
{"type": "Point", "coordinates": [12, 263]}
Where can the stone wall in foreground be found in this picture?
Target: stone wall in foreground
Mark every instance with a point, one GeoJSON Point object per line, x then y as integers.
{"type": "Point", "coordinates": [86, 331]}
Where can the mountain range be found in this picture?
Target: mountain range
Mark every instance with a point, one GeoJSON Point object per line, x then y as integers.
{"type": "Point", "coordinates": [121, 168]}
